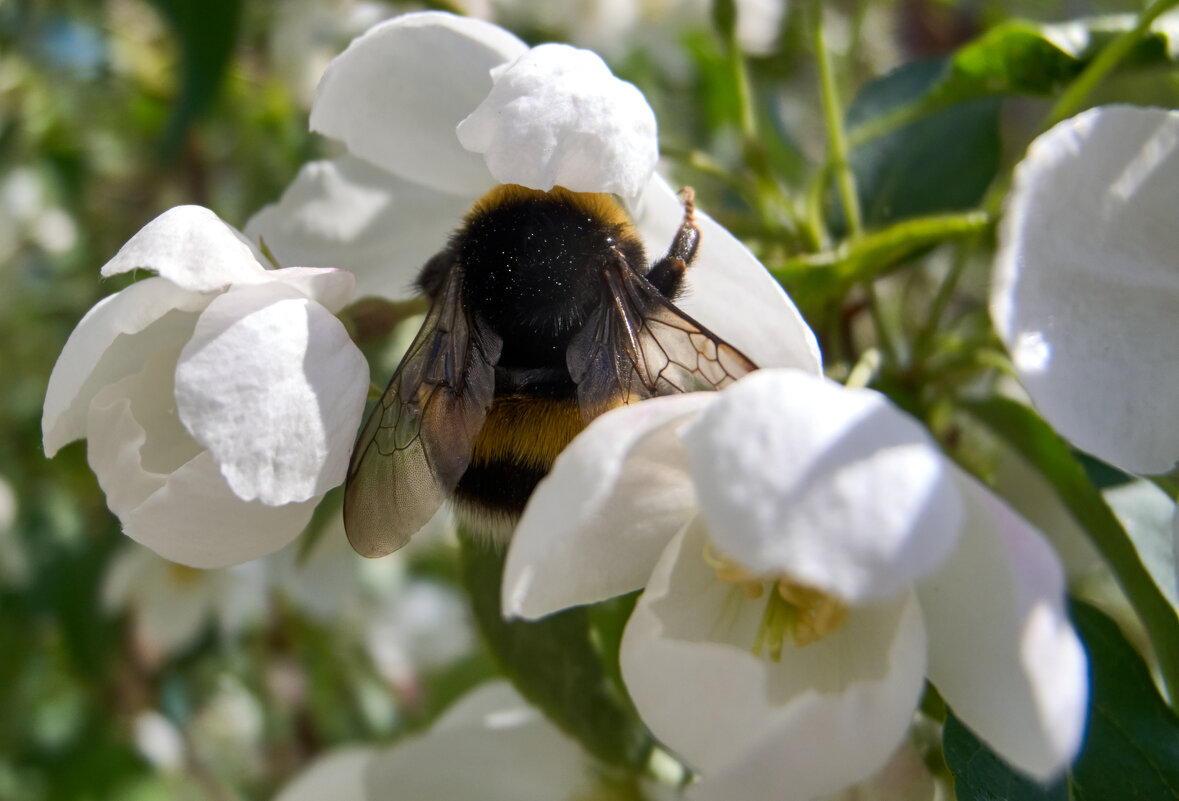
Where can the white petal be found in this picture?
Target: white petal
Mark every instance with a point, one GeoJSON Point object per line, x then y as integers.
{"type": "Point", "coordinates": [348, 214]}
{"type": "Point", "coordinates": [272, 385]}
{"type": "Point", "coordinates": [1001, 649]}
{"type": "Point", "coordinates": [596, 524]}
{"type": "Point", "coordinates": [398, 91]}
{"type": "Point", "coordinates": [727, 288]}
{"type": "Point", "coordinates": [191, 247]}
{"type": "Point", "coordinates": [836, 488]}
{"type": "Point", "coordinates": [134, 437]}
{"type": "Point", "coordinates": [166, 490]}
{"type": "Point", "coordinates": [1030, 495]}
{"type": "Point", "coordinates": [557, 116]}
{"type": "Point", "coordinates": [102, 349]}
{"type": "Point", "coordinates": [828, 715]}
{"type": "Point", "coordinates": [338, 775]}
{"type": "Point", "coordinates": [195, 519]}
{"type": "Point", "coordinates": [483, 751]}
{"type": "Point", "coordinates": [1086, 290]}
{"type": "Point", "coordinates": [492, 704]}
{"type": "Point", "coordinates": [331, 288]}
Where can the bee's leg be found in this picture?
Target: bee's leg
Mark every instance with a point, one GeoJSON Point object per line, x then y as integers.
{"type": "Point", "coordinates": [667, 274]}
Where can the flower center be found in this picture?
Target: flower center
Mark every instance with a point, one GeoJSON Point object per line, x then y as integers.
{"type": "Point", "coordinates": [793, 610]}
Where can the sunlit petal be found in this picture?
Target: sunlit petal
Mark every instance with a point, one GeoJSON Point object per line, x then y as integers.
{"type": "Point", "coordinates": [828, 715]}
{"type": "Point", "coordinates": [191, 247]}
{"type": "Point", "coordinates": [835, 488]}
{"type": "Point", "coordinates": [1001, 649]}
{"type": "Point", "coordinates": [395, 96]}
{"type": "Point", "coordinates": [558, 117]}
{"type": "Point", "coordinates": [1086, 290]}
{"type": "Point", "coordinates": [272, 385]}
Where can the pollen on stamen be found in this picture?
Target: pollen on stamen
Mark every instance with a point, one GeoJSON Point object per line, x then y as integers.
{"type": "Point", "coordinates": [795, 612]}
{"type": "Point", "coordinates": [732, 573]}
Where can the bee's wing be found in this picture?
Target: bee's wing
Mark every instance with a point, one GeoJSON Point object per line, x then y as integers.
{"type": "Point", "coordinates": [418, 440]}
{"type": "Point", "coordinates": [637, 345]}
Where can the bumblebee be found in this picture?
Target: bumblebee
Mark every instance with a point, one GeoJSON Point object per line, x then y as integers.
{"type": "Point", "coordinates": [544, 313]}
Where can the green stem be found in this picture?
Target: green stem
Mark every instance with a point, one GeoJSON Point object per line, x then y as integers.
{"type": "Point", "coordinates": [875, 253]}
{"type": "Point", "coordinates": [888, 122]}
{"type": "Point", "coordinates": [845, 179]}
{"type": "Point", "coordinates": [772, 203]}
{"type": "Point", "coordinates": [1110, 56]}
{"type": "Point", "coordinates": [941, 301]}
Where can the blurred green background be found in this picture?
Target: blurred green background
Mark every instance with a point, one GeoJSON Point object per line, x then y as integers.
{"type": "Point", "coordinates": [124, 677]}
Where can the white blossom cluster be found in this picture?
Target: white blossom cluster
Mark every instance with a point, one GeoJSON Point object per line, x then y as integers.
{"type": "Point", "coordinates": [809, 560]}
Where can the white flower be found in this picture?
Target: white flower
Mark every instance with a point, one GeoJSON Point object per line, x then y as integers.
{"type": "Point", "coordinates": [170, 605]}
{"type": "Point", "coordinates": [219, 399]}
{"type": "Point", "coordinates": [545, 116]}
{"type": "Point", "coordinates": [425, 625]}
{"type": "Point", "coordinates": [490, 745]}
{"type": "Point", "coordinates": [1086, 286]}
{"type": "Point", "coordinates": [615, 28]}
{"type": "Point", "coordinates": [809, 558]}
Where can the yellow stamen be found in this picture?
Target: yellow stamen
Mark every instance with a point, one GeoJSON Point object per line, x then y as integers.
{"type": "Point", "coordinates": [803, 614]}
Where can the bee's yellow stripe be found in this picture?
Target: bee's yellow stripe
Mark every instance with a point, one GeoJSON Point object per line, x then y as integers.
{"type": "Point", "coordinates": [598, 205]}
{"type": "Point", "coordinates": [527, 431]}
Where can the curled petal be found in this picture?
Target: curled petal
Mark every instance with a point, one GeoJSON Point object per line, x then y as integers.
{"type": "Point", "coordinates": [727, 288]}
{"type": "Point", "coordinates": [1086, 292]}
{"type": "Point", "coordinates": [347, 214]}
{"type": "Point", "coordinates": [113, 341]}
{"type": "Point", "coordinates": [1001, 649]}
{"type": "Point", "coordinates": [191, 247]}
{"type": "Point", "coordinates": [329, 287]}
{"type": "Point", "coordinates": [168, 493]}
{"type": "Point", "coordinates": [396, 94]}
{"type": "Point", "coordinates": [826, 716]}
{"type": "Point", "coordinates": [597, 523]}
{"type": "Point", "coordinates": [835, 488]}
{"type": "Point", "coordinates": [272, 385]}
{"type": "Point", "coordinates": [557, 116]}
{"type": "Point", "coordinates": [133, 437]}
{"type": "Point", "coordinates": [196, 519]}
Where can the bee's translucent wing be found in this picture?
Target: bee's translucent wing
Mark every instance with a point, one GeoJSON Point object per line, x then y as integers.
{"type": "Point", "coordinates": [418, 439]}
{"type": "Point", "coordinates": [638, 345]}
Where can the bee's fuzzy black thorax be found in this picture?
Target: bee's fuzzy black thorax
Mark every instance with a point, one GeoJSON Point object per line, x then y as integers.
{"type": "Point", "coordinates": [533, 262]}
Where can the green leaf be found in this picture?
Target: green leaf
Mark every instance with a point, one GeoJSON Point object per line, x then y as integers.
{"type": "Point", "coordinates": [1132, 745]}
{"type": "Point", "coordinates": [206, 32]}
{"type": "Point", "coordinates": [815, 278]}
{"type": "Point", "coordinates": [980, 775]}
{"type": "Point", "coordinates": [942, 162]}
{"type": "Point", "coordinates": [1018, 58]}
{"type": "Point", "coordinates": [1131, 748]}
{"type": "Point", "coordinates": [566, 664]}
{"type": "Point", "coordinates": [1146, 512]}
{"type": "Point", "coordinates": [1035, 440]}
